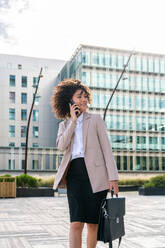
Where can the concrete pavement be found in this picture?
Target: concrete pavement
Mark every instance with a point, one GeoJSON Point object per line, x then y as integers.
{"type": "Point", "coordinates": [44, 222]}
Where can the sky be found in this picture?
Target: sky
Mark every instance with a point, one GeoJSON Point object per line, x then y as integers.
{"type": "Point", "coordinates": [55, 28]}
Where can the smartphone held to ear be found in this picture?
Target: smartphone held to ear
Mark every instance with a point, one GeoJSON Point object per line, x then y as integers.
{"type": "Point", "coordinates": [72, 102]}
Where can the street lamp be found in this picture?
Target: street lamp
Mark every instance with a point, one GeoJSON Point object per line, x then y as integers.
{"type": "Point", "coordinates": [29, 118]}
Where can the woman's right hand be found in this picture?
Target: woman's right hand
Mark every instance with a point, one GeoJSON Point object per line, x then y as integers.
{"type": "Point", "coordinates": [73, 110]}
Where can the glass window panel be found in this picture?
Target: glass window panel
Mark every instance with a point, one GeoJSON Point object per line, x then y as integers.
{"type": "Point", "coordinates": [11, 164]}
{"type": "Point", "coordinates": [144, 64]}
{"type": "Point", "coordinates": [162, 66]}
{"type": "Point", "coordinates": [23, 131]}
{"type": "Point", "coordinates": [23, 144]}
{"type": "Point", "coordinates": [138, 83]}
{"type": "Point", "coordinates": [35, 81]}
{"type": "Point", "coordinates": [11, 131]}
{"type": "Point", "coordinates": [86, 78]}
{"type": "Point", "coordinates": [151, 84]}
{"type": "Point", "coordinates": [11, 114]}
{"type": "Point", "coordinates": [35, 115]}
{"type": "Point", "coordinates": [35, 145]}
{"type": "Point", "coordinates": [85, 58]}
{"type": "Point", "coordinates": [150, 65]}
{"type": "Point", "coordinates": [23, 98]}
{"type": "Point", "coordinates": [24, 81]}
{"type": "Point", "coordinates": [113, 61]}
{"type": "Point", "coordinates": [23, 114]}
{"type": "Point", "coordinates": [35, 164]}
{"type": "Point", "coordinates": [95, 58]}
{"type": "Point", "coordinates": [144, 83]}
{"type": "Point", "coordinates": [12, 144]}
{"type": "Point", "coordinates": [162, 85]}
{"type": "Point", "coordinates": [12, 97]}
{"type": "Point", "coordinates": [156, 65]}
{"type": "Point", "coordinates": [138, 63]}
{"type": "Point", "coordinates": [35, 132]}
{"type": "Point", "coordinates": [12, 80]}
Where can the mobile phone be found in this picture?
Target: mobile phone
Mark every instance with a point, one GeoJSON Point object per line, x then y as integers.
{"type": "Point", "coordinates": [72, 102]}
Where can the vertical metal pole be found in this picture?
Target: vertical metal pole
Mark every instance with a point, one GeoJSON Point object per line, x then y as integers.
{"type": "Point", "coordinates": [28, 124]}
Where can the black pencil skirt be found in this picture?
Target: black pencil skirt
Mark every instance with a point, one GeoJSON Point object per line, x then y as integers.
{"type": "Point", "coordinates": [84, 205]}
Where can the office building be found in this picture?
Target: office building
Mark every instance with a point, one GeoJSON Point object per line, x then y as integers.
{"type": "Point", "coordinates": [18, 80]}
{"type": "Point", "coordinates": [135, 118]}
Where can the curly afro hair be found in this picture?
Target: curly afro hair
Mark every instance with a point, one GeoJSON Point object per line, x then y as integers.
{"type": "Point", "coordinates": [62, 94]}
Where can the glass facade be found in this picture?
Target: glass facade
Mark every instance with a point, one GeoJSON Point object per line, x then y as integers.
{"type": "Point", "coordinates": [135, 118]}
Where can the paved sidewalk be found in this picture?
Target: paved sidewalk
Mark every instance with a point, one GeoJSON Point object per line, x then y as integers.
{"type": "Point", "coordinates": [44, 222]}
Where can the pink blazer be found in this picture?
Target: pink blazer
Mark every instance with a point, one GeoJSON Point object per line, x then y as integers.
{"type": "Point", "coordinates": [98, 155]}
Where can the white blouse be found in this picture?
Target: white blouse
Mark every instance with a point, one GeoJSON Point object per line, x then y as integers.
{"type": "Point", "coordinates": [78, 149]}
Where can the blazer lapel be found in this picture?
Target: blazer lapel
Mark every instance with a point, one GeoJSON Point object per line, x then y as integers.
{"type": "Point", "coordinates": [86, 119]}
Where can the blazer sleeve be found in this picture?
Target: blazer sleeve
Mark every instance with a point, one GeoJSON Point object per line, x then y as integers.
{"type": "Point", "coordinates": [64, 135]}
{"type": "Point", "coordinates": [107, 150]}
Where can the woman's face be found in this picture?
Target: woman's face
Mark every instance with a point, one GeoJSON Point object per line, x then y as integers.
{"type": "Point", "coordinates": [81, 100]}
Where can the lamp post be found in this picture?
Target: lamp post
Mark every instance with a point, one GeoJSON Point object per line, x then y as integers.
{"type": "Point", "coordinates": [123, 71]}
{"type": "Point", "coordinates": [29, 118]}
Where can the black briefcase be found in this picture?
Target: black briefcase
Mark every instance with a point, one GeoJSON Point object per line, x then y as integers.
{"type": "Point", "coordinates": [111, 220]}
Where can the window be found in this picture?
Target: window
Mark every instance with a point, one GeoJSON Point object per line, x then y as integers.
{"type": "Point", "coordinates": [35, 81]}
{"type": "Point", "coordinates": [35, 164]}
{"type": "Point", "coordinates": [36, 102]}
{"type": "Point", "coordinates": [12, 97]}
{"type": "Point", "coordinates": [23, 131]}
{"type": "Point", "coordinates": [23, 144]}
{"type": "Point", "coordinates": [23, 98]}
{"type": "Point", "coordinates": [35, 115]}
{"type": "Point", "coordinates": [153, 140]}
{"type": "Point", "coordinates": [23, 164]}
{"type": "Point", "coordinates": [11, 131]}
{"type": "Point", "coordinates": [19, 66]}
{"type": "Point", "coordinates": [11, 144]}
{"type": "Point", "coordinates": [11, 114]}
{"type": "Point", "coordinates": [85, 58]}
{"type": "Point", "coordinates": [35, 132]}
{"type": "Point", "coordinates": [12, 80]}
{"type": "Point", "coordinates": [11, 164]}
{"type": "Point", "coordinates": [23, 114]}
{"type": "Point", "coordinates": [24, 81]}
{"type": "Point", "coordinates": [35, 145]}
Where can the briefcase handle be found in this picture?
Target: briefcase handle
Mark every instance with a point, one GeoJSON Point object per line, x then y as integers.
{"type": "Point", "coordinates": [112, 193]}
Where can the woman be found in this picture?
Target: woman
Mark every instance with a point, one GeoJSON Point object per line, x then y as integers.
{"type": "Point", "coordinates": [88, 168]}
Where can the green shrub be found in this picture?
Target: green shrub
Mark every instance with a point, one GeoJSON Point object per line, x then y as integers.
{"type": "Point", "coordinates": [156, 182]}
{"type": "Point", "coordinates": [7, 179]}
{"type": "Point", "coordinates": [25, 180]}
{"type": "Point", "coordinates": [46, 182]}
{"type": "Point", "coordinates": [134, 182]}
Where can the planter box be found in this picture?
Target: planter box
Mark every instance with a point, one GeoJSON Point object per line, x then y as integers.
{"type": "Point", "coordinates": [8, 189]}
{"type": "Point", "coordinates": [151, 191]}
{"type": "Point", "coordinates": [35, 192]}
{"type": "Point", "coordinates": [125, 188]}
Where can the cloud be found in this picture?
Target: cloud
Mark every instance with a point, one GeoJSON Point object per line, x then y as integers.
{"type": "Point", "coordinates": [3, 31]}
{"type": "Point", "coordinates": [4, 4]}
{"type": "Point", "coordinates": [10, 10]}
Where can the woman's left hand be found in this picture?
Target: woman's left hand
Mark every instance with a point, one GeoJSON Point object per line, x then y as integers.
{"type": "Point", "coordinates": [113, 185]}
